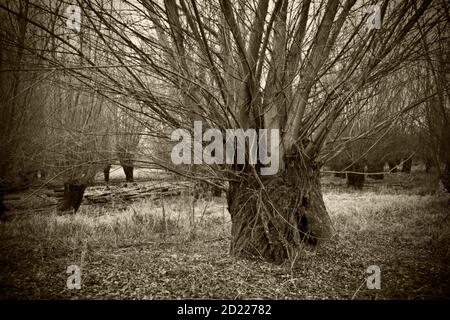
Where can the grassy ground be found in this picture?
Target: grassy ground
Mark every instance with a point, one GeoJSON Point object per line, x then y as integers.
{"type": "Point", "coordinates": [164, 249]}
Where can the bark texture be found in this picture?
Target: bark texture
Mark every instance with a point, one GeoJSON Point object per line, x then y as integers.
{"type": "Point", "coordinates": [273, 217]}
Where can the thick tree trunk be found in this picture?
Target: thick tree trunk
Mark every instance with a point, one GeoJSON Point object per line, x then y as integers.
{"type": "Point", "coordinates": [407, 166]}
{"type": "Point", "coordinates": [356, 180]}
{"type": "Point", "coordinates": [445, 176]}
{"type": "Point", "coordinates": [273, 221]}
{"type": "Point", "coordinates": [128, 170]}
{"type": "Point", "coordinates": [73, 195]}
{"type": "Point", "coordinates": [106, 172]}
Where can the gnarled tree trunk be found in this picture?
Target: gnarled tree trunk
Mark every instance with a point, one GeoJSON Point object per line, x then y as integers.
{"type": "Point", "coordinates": [272, 217]}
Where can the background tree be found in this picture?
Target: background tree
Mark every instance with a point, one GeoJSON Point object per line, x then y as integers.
{"type": "Point", "coordinates": [437, 110]}
{"type": "Point", "coordinates": [127, 142]}
{"type": "Point", "coordinates": [23, 98]}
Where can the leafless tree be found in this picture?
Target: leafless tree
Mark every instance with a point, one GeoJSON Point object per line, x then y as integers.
{"type": "Point", "coordinates": [297, 66]}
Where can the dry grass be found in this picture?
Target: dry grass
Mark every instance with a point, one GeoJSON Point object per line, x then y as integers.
{"type": "Point", "coordinates": [141, 222]}
{"type": "Point", "coordinates": [158, 250]}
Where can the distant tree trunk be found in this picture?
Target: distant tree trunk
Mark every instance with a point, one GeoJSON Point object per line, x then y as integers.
{"type": "Point", "coordinates": [2, 206]}
{"type": "Point", "coordinates": [271, 222]}
{"type": "Point", "coordinates": [341, 175]}
{"type": "Point", "coordinates": [376, 167]}
{"type": "Point", "coordinates": [407, 166]}
{"type": "Point", "coordinates": [128, 170]}
{"type": "Point", "coordinates": [336, 167]}
{"type": "Point", "coordinates": [445, 176]}
{"type": "Point", "coordinates": [356, 180]}
{"type": "Point", "coordinates": [429, 163]}
{"type": "Point", "coordinates": [73, 195]}
{"type": "Point", "coordinates": [393, 165]}
{"type": "Point", "coordinates": [106, 172]}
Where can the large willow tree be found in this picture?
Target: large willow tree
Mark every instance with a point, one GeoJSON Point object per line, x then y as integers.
{"type": "Point", "coordinates": [291, 65]}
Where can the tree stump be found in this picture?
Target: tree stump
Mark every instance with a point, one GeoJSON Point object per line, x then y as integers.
{"type": "Point", "coordinates": [73, 195]}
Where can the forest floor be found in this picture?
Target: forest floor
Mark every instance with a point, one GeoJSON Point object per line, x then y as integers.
{"type": "Point", "coordinates": [158, 249]}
